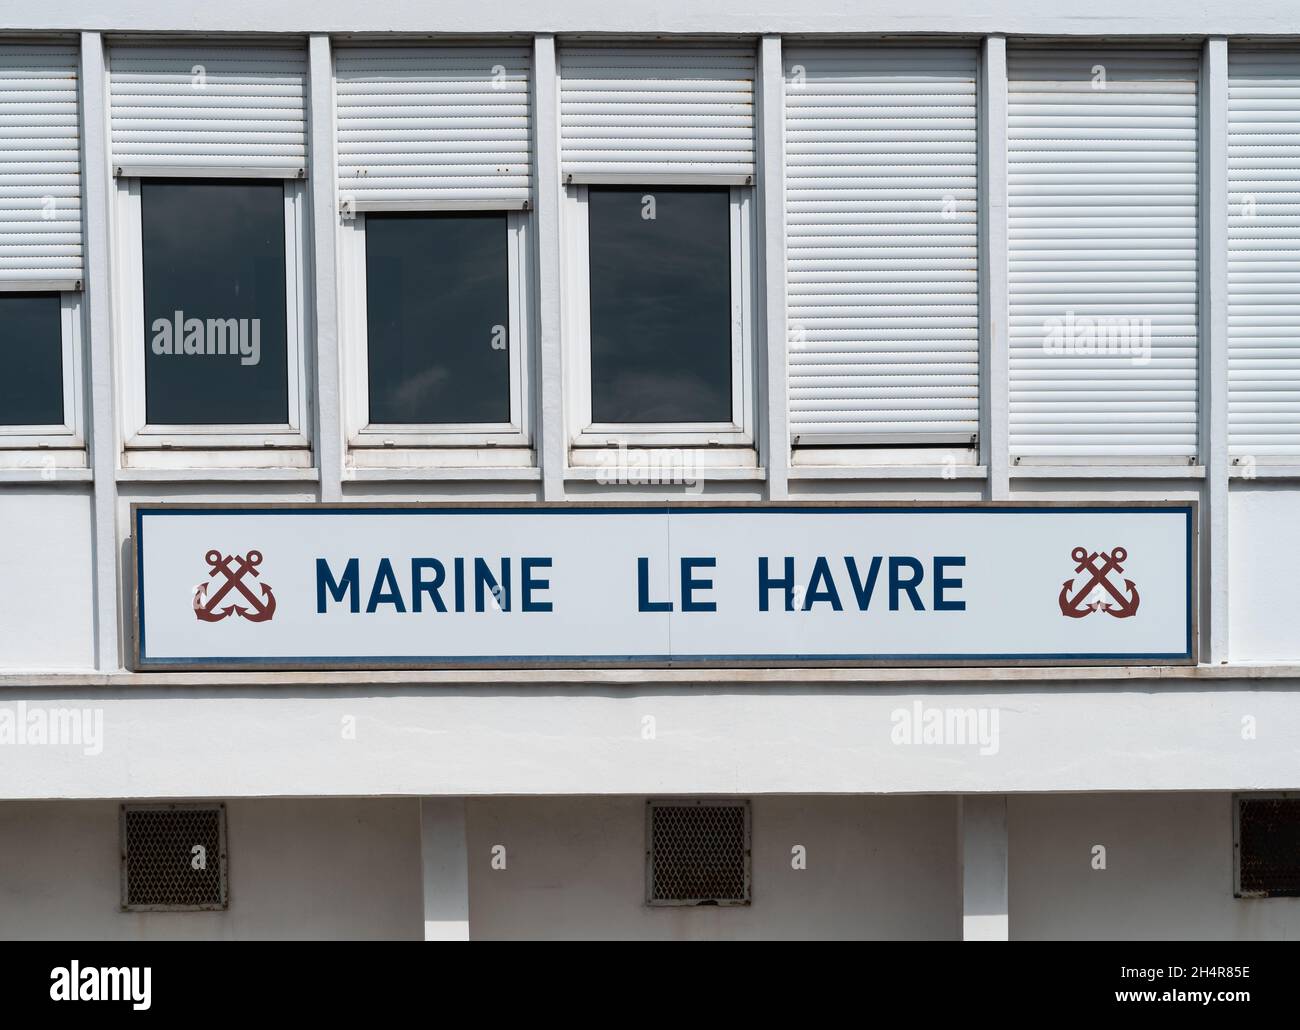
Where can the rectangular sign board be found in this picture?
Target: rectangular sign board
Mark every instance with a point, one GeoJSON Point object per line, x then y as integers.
{"type": "Point", "coordinates": [383, 586]}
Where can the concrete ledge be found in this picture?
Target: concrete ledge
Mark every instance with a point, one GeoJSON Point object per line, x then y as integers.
{"type": "Point", "coordinates": [651, 677]}
{"type": "Point", "coordinates": [674, 734]}
{"type": "Point", "coordinates": [1014, 17]}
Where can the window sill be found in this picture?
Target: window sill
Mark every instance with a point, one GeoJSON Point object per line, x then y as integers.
{"type": "Point", "coordinates": [857, 456]}
{"type": "Point", "coordinates": [1102, 471]}
{"type": "Point", "coordinates": [435, 474]}
{"type": "Point", "coordinates": [633, 476]}
{"type": "Point", "coordinates": [934, 471]}
{"type": "Point", "coordinates": [397, 461]}
{"type": "Point", "coordinates": [46, 476]}
{"type": "Point", "coordinates": [218, 475]}
{"type": "Point", "coordinates": [239, 462]}
{"type": "Point", "coordinates": [605, 456]}
{"type": "Point", "coordinates": [38, 461]}
{"type": "Point", "coordinates": [662, 466]}
{"type": "Point", "coordinates": [1261, 471]}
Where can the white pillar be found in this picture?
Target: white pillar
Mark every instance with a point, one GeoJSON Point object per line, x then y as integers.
{"type": "Point", "coordinates": [445, 869]}
{"type": "Point", "coordinates": [994, 332]}
{"type": "Point", "coordinates": [1214, 349]}
{"type": "Point", "coordinates": [982, 838]}
{"type": "Point", "coordinates": [97, 184]}
{"type": "Point", "coordinates": [323, 201]}
{"type": "Point", "coordinates": [552, 439]}
{"type": "Point", "coordinates": [775, 426]}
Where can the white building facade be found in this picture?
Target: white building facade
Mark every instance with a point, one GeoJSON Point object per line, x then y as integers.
{"type": "Point", "coordinates": [730, 259]}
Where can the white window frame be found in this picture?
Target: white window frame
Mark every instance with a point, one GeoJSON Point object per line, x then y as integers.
{"type": "Point", "coordinates": [137, 432]}
{"type": "Point", "coordinates": [739, 432]}
{"type": "Point", "coordinates": [71, 433]}
{"type": "Point", "coordinates": [362, 434]}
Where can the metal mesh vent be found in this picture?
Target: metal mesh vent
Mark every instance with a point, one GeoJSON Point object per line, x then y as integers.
{"type": "Point", "coordinates": [697, 853]}
{"type": "Point", "coordinates": [173, 857]}
{"type": "Point", "coordinates": [1268, 847]}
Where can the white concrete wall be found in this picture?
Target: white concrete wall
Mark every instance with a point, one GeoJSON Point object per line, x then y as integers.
{"type": "Point", "coordinates": [46, 585]}
{"type": "Point", "coordinates": [328, 868]}
{"type": "Point", "coordinates": [318, 869]}
{"type": "Point", "coordinates": [1168, 872]}
{"type": "Point", "coordinates": [738, 732]}
{"type": "Point", "coordinates": [877, 868]}
{"type": "Point", "coordinates": [1264, 572]}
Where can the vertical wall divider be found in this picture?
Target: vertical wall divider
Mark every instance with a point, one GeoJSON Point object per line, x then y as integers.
{"type": "Point", "coordinates": [994, 341]}
{"type": "Point", "coordinates": [96, 173]}
{"type": "Point", "coordinates": [1213, 314]}
{"type": "Point", "coordinates": [774, 391]}
{"type": "Point", "coordinates": [321, 180]}
{"type": "Point", "coordinates": [552, 442]}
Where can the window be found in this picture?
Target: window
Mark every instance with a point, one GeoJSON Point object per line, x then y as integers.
{"type": "Point", "coordinates": [443, 328]}
{"type": "Point", "coordinates": [435, 241]}
{"type": "Point", "coordinates": [217, 310]}
{"type": "Point", "coordinates": [209, 152]}
{"type": "Point", "coordinates": [41, 260]}
{"type": "Point", "coordinates": [214, 302]}
{"type": "Point", "coordinates": [657, 153]}
{"type": "Point", "coordinates": [660, 288]}
{"type": "Point", "coordinates": [662, 355]}
{"type": "Point", "coordinates": [437, 312]}
{"type": "Point", "coordinates": [40, 378]}
{"type": "Point", "coordinates": [31, 349]}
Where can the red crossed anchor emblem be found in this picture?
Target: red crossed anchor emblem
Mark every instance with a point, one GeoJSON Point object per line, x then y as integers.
{"type": "Point", "coordinates": [208, 608]}
{"type": "Point", "coordinates": [1122, 608]}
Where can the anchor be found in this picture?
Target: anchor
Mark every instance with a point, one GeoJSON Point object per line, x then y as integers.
{"type": "Point", "coordinates": [208, 608]}
{"type": "Point", "coordinates": [1123, 607]}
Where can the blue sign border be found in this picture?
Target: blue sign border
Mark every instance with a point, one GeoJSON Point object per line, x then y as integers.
{"type": "Point", "coordinates": [142, 662]}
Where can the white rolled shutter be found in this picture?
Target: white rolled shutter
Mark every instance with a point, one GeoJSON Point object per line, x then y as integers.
{"type": "Point", "coordinates": [1102, 235]}
{"type": "Point", "coordinates": [1264, 252]}
{"type": "Point", "coordinates": [657, 114]}
{"type": "Point", "coordinates": [428, 127]}
{"type": "Point", "coordinates": [208, 110]}
{"type": "Point", "coordinates": [40, 168]}
{"type": "Point", "coordinates": [881, 244]}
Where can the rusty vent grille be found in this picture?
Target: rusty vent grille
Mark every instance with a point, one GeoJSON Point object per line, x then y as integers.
{"type": "Point", "coordinates": [173, 857]}
{"type": "Point", "coordinates": [697, 853]}
{"type": "Point", "coordinates": [1268, 847]}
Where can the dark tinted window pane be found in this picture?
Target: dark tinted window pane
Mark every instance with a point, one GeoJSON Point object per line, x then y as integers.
{"type": "Point", "coordinates": [660, 305]}
{"type": "Point", "coordinates": [437, 311]}
{"type": "Point", "coordinates": [214, 302]}
{"type": "Point", "coordinates": [31, 360]}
